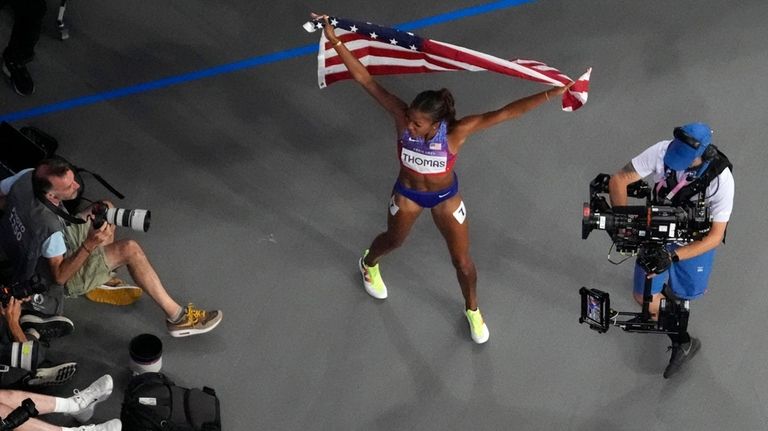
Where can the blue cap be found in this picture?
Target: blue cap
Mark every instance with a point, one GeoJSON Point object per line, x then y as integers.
{"type": "Point", "coordinates": [680, 154]}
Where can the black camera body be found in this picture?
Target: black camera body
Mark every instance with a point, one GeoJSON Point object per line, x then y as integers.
{"type": "Point", "coordinates": [19, 415]}
{"type": "Point", "coordinates": [642, 231]}
{"type": "Point", "coordinates": [641, 226]}
{"type": "Point", "coordinates": [21, 290]}
{"type": "Point", "coordinates": [135, 219]}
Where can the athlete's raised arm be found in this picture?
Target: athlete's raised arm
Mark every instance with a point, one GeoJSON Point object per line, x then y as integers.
{"type": "Point", "coordinates": [474, 123]}
{"type": "Point", "coordinates": [393, 104]}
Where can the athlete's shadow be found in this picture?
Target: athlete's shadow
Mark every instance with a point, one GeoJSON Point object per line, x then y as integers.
{"type": "Point", "coordinates": [431, 404]}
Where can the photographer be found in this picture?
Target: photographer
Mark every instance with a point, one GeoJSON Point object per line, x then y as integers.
{"type": "Point", "coordinates": [80, 406]}
{"type": "Point", "coordinates": [20, 356]}
{"type": "Point", "coordinates": [684, 171]}
{"type": "Point", "coordinates": [78, 257]}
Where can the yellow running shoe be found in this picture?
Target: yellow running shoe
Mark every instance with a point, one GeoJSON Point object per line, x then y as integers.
{"type": "Point", "coordinates": [372, 281]}
{"type": "Point", "coordinates": [477, 327]}
{"type": "Point", "coordinates": [115, 292]}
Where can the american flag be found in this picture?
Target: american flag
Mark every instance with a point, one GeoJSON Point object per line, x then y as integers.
{"type": "Point", "coordinates": [388, 51]}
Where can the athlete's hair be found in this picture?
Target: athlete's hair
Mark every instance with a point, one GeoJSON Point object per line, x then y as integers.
{"type": "Point", "coordinates": [438, 104]}
{"type": "Point", "coordinates": [52, 167]}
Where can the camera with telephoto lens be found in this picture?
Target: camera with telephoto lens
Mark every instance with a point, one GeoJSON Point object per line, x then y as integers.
{"type": "Point", "coordinates": [21, 290]}
{"type": "Point", "coordinates": [135, 219]}
{"type": "Point", "coordinates": [19, 415]}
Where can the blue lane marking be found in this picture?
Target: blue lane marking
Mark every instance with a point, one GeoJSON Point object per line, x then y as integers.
{"type": "Point", "coordinates": [244, 64]}
{"type": "Point", "coordinates": [461, 13]}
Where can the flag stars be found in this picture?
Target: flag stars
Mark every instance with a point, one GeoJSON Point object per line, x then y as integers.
{"type": "Point", "coordinates": [393, 41]}
{"type": "Point", "coordinates": [374, 35]}
{"type": "Point", "coordinates": [413, 47]}
{"type": "Point", "coordinates": [334, 22]}
{"type": "Point", "coordinates": [353, 29]}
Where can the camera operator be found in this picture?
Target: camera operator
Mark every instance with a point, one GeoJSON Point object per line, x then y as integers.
{"type": "Point", "coordinates": [80, 406]}
{"type": "Point", "coordinates": [684, 171]}
{"type": "Point", "coordinates": [77, 256]}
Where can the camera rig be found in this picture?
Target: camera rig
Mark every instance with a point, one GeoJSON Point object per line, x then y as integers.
{"type": "Point", "coordinates": [642, 231]}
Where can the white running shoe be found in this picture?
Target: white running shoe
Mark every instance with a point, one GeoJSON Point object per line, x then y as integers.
{"type": "Point", "coordinates": [55, 375]}
{"type": "Point", "coordinates": [372, 281]}
{"type": "Point", "coordinates": [87, 399]}
{"type": "Point", "coordinates": [113, 425]}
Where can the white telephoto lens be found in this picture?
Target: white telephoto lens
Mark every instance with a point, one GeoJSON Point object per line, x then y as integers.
{"type": "Point", "coordinates": [139, 220]}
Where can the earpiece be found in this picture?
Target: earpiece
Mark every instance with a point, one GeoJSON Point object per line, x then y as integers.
{"type": "Point", "coordinates": [710, 153]}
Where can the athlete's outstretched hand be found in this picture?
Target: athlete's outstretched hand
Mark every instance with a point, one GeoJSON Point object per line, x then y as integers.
{"type": "Point", "coordinates": [330, 31]}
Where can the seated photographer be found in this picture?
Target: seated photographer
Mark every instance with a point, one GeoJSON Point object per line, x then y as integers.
{"type": "Point", "coordinates": [80, 406]}
{"type": "Point", "coordinates": [77, 256]}
{"type": "Point", "coordinates": [20, 356]}
{"type": "Point", "coordinates": [685, 170]}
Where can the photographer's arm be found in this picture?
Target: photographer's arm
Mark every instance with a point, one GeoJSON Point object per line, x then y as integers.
{"type": "Point", "coordinates": [617, 186]}
{"type": "Point", "coordinates": [12, 313]}
{"type": "Point", "coordinates": [63, 268]}
{"type": "Point", "coordinates": [709, 242]}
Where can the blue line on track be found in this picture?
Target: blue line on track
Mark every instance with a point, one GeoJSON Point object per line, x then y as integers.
{"type": "Point", "coordinates": [244, 64]}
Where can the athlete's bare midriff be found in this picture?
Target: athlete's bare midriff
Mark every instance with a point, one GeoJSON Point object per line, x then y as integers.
{"type": "Point", "coordinates": [424, 183]}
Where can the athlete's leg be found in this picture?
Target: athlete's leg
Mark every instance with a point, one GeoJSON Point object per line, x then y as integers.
{"type": "Point", "coordinates": [402, 214]}
{"type": "Point", "coordinates": [451, 219]}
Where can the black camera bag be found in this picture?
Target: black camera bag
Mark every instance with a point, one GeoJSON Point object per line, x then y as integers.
{"type": "Point", "coordinates": [152, 402]}
{"type": "Point", "coordinates": [21, 149]}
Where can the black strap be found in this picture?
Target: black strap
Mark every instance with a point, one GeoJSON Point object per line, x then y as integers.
{"type": "Point", "coordinates": [697, 186]}
{"type": "Point", "coordinates": [187, 410]}
{"type": "Point", "coordinates": [103, 182]}
{"type": "Point", "coordinates": [60, 212]}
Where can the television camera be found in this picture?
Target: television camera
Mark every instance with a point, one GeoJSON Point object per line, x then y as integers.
{"type": "Point", "coordinates": [643, 231]}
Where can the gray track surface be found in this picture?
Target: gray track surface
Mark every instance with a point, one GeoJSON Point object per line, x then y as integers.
{"type": "Point", "coordinates": [265, 190]}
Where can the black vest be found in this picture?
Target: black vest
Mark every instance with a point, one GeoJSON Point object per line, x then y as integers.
{"type": "Point", "coordinates": [24, 226]}
{"type": "Point", "coordinates": [696, 187]}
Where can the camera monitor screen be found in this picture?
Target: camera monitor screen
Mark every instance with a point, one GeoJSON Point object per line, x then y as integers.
{"type": "Point", "coordinates": [17, 152]}
{"type": "Point", "coordinates": [594, 309]}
